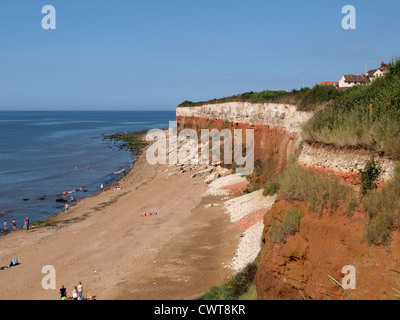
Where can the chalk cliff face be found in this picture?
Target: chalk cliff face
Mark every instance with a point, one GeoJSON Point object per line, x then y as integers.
{"type": "Point", "coordinates": [325, 244]}
{"type": "Point", "coordinates": [277, 130]}
{"type": "Point", "coordinates": [280, 116]}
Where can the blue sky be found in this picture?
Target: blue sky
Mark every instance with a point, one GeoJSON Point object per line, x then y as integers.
{"type": "Point", "coordinates": [154, 54]}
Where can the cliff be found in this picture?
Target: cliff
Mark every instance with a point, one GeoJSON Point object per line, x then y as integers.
{"type": "Point", "coordinates": [277, 130]}
{"type": "Point", "coordinates": [301, 267]}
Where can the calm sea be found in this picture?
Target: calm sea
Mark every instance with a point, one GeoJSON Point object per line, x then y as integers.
{"type": "Point", "coordinates": [43, 154]}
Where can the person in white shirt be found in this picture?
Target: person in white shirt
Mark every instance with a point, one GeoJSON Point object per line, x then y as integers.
{"type": "Point", "coordinates": [80, 289]}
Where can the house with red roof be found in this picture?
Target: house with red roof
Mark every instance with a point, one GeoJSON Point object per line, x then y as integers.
{"type": "Point", "coordinates": [350, 80]}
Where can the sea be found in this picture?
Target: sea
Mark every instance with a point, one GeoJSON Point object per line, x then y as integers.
{"type": "Point", "coordinates": [44, 153]}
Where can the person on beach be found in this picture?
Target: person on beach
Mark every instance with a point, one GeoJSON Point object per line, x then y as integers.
{"type": "Point", "coordinates": [5, 226]}
{"type": "Point", "coordinates": [14, 225]}
{"type": "Point", "coordinates": [66, 207]}
{"type": "Point", "coordinates": [80, 289]}
{"type": "Point", "coordinates": [75, 294]}
{"type": "Point", "coordinates": [26, 224]}
{"type": "Point", "coordinates": [101, 187]}
{"type": "Point", "coordinates": [63, 293]}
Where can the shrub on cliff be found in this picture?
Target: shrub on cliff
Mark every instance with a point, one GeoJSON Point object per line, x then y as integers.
{"type": "Point", "coordinates": [289, 226]}
{"type": "Point", "coordinates": [237, 286]}
{"type": "Point", "coordinates": [378, 231]}
{"type": "Point", "coordinates": [369, 175]}
{"type": "Point", "coordinates": [383, 208]}
{"type": "Point", "coordinates": [319, 191]}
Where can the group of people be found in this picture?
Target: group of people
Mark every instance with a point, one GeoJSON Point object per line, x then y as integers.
{"type": "Point", "coordinates": [77, 293]}
{"type": "Point", "coordinates": [14, 224]}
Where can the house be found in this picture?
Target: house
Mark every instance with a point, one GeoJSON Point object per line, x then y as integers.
{"type": "Point", "coordinates": [350, 80]}
{"type": "Point", "coordinates": [378, 73]}
{"type": "Point", "coordinates": [330, 83]}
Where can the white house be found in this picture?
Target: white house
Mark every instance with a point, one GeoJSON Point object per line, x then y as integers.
{"type": "Point", "coordinates": [378, 73]}
{"type": "Point", "coordinates": [350, 80]}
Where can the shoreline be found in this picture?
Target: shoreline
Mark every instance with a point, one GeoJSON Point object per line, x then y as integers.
{"type": "Point", "coordinates": [105, 242]}
{"type": "Point", "coordinates": [37, 223]}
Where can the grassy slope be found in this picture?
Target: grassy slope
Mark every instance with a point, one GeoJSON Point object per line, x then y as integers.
{"type": "Point", "coordinates": [364, 116]}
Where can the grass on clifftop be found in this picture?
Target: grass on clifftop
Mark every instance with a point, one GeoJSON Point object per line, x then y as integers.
{"type": "Point", "coordinates": [305, 99]}
{"type": "Point", "coordinates": [366, 116]}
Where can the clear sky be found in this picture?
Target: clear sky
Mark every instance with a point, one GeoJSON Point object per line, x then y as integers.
{"type": "Point", "coordinates": [154, 54]}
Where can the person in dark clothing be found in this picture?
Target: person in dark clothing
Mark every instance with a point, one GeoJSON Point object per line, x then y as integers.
{"type": "Point", "coordinates": [63, 293]}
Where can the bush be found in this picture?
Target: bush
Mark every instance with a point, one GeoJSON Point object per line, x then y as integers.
{"type": "Point", "coordinates": [378, 231]}
{"type": "Point", "coordinates": [351, 207]}
{"type": "Point", "coordinates": [270, 189]}
{"type": "Point", "coordinates": [369, 175]}
{"type": "Point", "coordinates": [320, 192]}
{"type": "Point", "coordinates": [289, 226]}
{"type": "Point", "coordinates": [383, 209]}
{"type": "Point", "coordinates": [239, 284]}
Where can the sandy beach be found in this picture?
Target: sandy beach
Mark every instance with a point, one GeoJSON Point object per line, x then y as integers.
{"type": "Point", "coordinates": [117, 253]}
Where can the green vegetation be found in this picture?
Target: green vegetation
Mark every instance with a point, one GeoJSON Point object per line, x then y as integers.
{"type": "Point", "coordinates": [378, 231]}
{"type": "Point", "coordinates": [289, 226]}
{"type": "Point", "coordinates": [237, 288]}
{"type": "Point", "coordinates": [262, 96]}
{"type": "Point", "coordinates": [271, 188]}
{"type": "Point", "coordinates": [319, 191]}
{"type": "Point", "coordinates": [363, 116]}
{"type": "Point", "coordinates": [383, 209]}
{"type": "Point", "coordinates": [369, 176]}
{"type": "Point", "coordinates": [305, 99]}
{"type": "Point", "coordinates": [315, 98]}
{"type": "Point", "coordinates": [134, 141]}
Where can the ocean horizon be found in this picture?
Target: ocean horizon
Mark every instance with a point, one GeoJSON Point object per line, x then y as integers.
{"type": "Point", "coordinates": [44, 153]}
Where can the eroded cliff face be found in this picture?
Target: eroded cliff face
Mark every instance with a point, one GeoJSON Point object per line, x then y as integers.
{"type": "Point", "coordinates": [300, 267]}
{"type": "Point", "coordinates": [277, 130]}
{"type": "Point", "coordinates": [322, 247]}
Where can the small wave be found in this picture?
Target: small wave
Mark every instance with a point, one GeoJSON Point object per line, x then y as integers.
{"type": "Point", "coordinates": [119, 172]}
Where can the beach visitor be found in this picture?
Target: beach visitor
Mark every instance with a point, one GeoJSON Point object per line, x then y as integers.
{"type": "Point", "coordinates": [26, 223]}
{"type": "Point", "coordinates": [101, 187]}
{"type": "Point", "coordinates": [66, 207]}
{"type": "Point", "coordinates": [5, 225]}
{"type": "Point", "coordinates": [63, 293]}
{"type": "Point", "coordinates": [75, 294]}
{"type": "Point", "coordinates": [14, 225]}
{"type": "Point", "coordinates": [80, 289]}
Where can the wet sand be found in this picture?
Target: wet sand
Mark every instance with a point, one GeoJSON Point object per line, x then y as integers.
{"type": "Point", "coordinates": [118, 254]}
